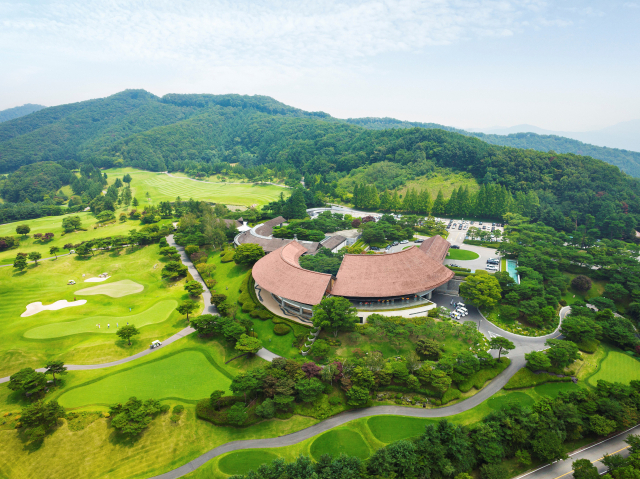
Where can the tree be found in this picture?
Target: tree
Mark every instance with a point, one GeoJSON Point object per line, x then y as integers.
{"type": "Point", "coordinates": [214, 397]}
{"type": "Point", "coordinates": [320, 349]}
{"type": "Point", "coordinates": [584, 469]}
{"type": "Point", "coordinates": [84, 249]}
{"type": "Point", "coordinates": [501, 344]}
{"type": "Point", "coordinates": [127, 332]}
{"type": "Point", "coordinates": [248, 254]}
{"type": "Point", "coordinates": [308, 390]}
{"type": "Point", "coordinates": [174, 270]}
{"type": "Point", "coordinates": [579, 329]}
{"type": "Point", "coordinates": [429, 348]}
{"type": "Point", "coordinates": [55, 367]}
{"type": "Point", "coordinates": [20, 263]}
{"type": "Point", "coordinates": [39, 417]}
{"type": "Point", "coordinates": [601, 425]}
{"type": "Point", "coordinates": [194, 288]}
{"type": "Point", "coordinates": [311, 369]}
{"type": "Point", "coordinates": [413, 362]}
{"type": "Point", "coordinates": [133, 417]}
{"type": "Point", "coordinates": [581, 283]}
{"type": "Point", "coordinates": [247, 344]}
{"type": "Point", "coordinates": [135, 202]}
{"type": "Point", "coordinates": [267, 409]}
{"type": "Point", "coordinates": [236, 415]}
{"type": "Point", "coordinates": [358, 396]}
{"type": "Point", "coordinates": [481, 289]}
{"type": "Point", "coordinates": [494, 471]}
{"type": "Point", "coordinates": [35, 256]}
{"type": "Point", "coordinates": [187, 307]}
{"type": "Point", "coordinates": [537, 361]}
{"type": "Point", "coordinates": [54, 251]}
{"type": "Point", "coordinates": [71, 223]}
{"type": "Point", "coordinates": [295, 207]}
{"type": "Point", "coordinates": [23, 230]}
{"type": "Point", "coordinates": [127, 179]}
{"type": "Point", "coordinates": [561, 352]}
{"type": "Point", "coordinates": [335, 313]}
{"type": "Point", "coordinates": [614, 291]}
{"type": "Point", "coordinates": [32, 382]}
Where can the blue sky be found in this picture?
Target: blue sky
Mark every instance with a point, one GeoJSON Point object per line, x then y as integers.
{"type": "Point", "coordinates": [564, 65]}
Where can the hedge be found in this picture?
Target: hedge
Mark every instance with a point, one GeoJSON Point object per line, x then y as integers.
{"type": "Point", "coordinates": [526, 378]}
{"type": "Point", "coordinates": [450, 395]}
{"type": "Point", "coordinates": [478, 379]}
{"type": "Point", "coordinates": [228, 256]}
{"type": "Point", "coordinates": [281, 329]}
{"type": "Point", "coordinates": [589, 346]}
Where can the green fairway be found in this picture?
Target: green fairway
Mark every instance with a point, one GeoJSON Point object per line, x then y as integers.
{"type": "Point", "coordinates": [388, 429]}
{"type": "Point", "coordinates": [153, 310]}
{"type": "Point", "coordinates": [242, 462]}
{"type": "Point", "coordinates": [462, 254]}
{"type": "Point", "coordinates": [115, 290]}
{"type": "Point", "coordinates": [157, 313]}
{"type": "Point", "coordinates": [186, 375]}
{"type": "Point", "coordinates": [53, 224]}
{"type": "Point", "coordinates": [617, 367]}
{"type": "Point", "coordinates": [162, 187]}
{"type": "Point", "coordinates": [338, 441]}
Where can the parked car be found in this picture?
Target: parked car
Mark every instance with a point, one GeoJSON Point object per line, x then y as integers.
{"type": "Point", "coordinates": [455, 246]}
{"type": "Point", "coordinates": [419, 240]}
{"type": "Point", "coordinates": [404, 242]}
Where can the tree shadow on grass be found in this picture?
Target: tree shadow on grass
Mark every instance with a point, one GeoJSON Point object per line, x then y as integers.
{"type": "Point", "coordinates": [118, 439]}
{"type": "Point", "coordinates": [19, 273]}
{"type": "Point", "coordinates": [123, 344]}
{"type": "Point", "coordinates": [82, 258]}
{"type": "Point", "coordinates": [18, 398]}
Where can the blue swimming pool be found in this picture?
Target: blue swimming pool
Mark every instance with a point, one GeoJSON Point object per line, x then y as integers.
{"type": "Point", "coordinates": [511, 269]}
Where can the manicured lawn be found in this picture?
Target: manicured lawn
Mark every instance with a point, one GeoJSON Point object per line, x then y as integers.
{"type": "Point", "coordinates": [498, 402]}
{"type": "Point", "coordinates": [117, 289]}
{"type": "Point", "coordinates": [597, 288]}
{"type": "Point", "coordinates": [553, 389]}
{"type": "Point", "coordinates": [162, 187]}
{"type": "Point", "coordinates": [338, 441]}
{"type": "Point", "coordinates": [388, 429]}
{"type": "Point", "coordinates": [157, 313]}
{"type": "Point", "coordinates": [186, 375]}
{"type": "Point", "coordinates": [242, 462]}
{"type": "Point", "coordinates": [462, 254]}
{"type": "Point", "coordinates": [153, 310]}
{"type": "Point", "coordinates": [617, 367]}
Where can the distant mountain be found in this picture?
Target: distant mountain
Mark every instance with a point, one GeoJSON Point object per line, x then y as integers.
{"type": "Point", "coordinates": [624, 136]}
{"type": "Point", "coordinates": [18, 111]}
{"type": "Point", "coordinates": [627, 161]}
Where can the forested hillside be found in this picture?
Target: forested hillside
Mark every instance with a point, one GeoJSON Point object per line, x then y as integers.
{"type": "Point", "coordinates": [18, 111]}
{"type": "Point", "coordinates": [627, 161]}
{"type": "Point", "coordinates": [208, 132]}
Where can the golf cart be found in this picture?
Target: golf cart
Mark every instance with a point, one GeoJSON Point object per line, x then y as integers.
{"type": "Point", "coordinates": [155, 344]}
{"type": "Point", "coordinates": [71, 282]}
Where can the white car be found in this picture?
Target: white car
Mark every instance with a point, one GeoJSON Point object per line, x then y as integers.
{"type": "Point", "coordinates": [404, 242]}
{"type": "Point", "coordinates": [155, 344]}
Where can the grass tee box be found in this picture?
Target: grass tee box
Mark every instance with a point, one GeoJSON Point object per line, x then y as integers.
{"type": "Point", "coordinates": [162, 187]}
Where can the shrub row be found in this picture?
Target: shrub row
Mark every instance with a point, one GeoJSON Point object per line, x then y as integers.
{"type": "Point", "coordinates": [227, 256]}
{"type": "Point", "coordinates": [526, 379]}
{"type": "Point", "coordinates": [478, 379]}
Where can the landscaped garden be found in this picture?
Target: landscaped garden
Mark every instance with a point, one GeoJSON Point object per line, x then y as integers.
{"type": "Point", "coordinates": [462, 254]}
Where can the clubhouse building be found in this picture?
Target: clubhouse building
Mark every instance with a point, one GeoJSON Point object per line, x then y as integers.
{"type": "Point", "coordinates": [388, 280]}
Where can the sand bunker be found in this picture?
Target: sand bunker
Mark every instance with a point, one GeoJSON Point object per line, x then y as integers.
{"type": "Point", "coordinates": [97, 279]}
{"type": "Point", "coordinates": [115, 290]}
{"type": "Point", "coordinates": [33, 308]}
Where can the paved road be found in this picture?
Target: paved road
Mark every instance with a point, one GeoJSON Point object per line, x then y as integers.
{"type": "Point", "coordinates": [523, 345]}
{"type": "Point", "coordinates": [595, 453]}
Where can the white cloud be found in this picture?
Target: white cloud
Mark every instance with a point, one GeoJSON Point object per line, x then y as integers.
{"type": "Point", "coordinates": [272, 34]}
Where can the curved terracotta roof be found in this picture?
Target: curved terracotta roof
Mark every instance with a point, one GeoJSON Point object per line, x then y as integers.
{"type": "Point", "coordinates": [280, 273]}
{"type": "Point", "coordinates": [436, 247]}
{"type": "Point", "coordinates": [392, 274]}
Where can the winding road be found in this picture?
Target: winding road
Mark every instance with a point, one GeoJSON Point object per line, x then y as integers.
{"type": "Point", "coordinates": [523, 345]}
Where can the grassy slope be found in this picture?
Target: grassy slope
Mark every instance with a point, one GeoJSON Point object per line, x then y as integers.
{"type": "Point", "coordinates": [162, 187]}
{"type": "Point", "coordinates": [53, 224]}
{"type": "Point", "coordinates": [48, 283]}
{"type": "Point", "coordinates": [445, 180]}
{"type": "Point", "coordinates": [617, 367]}
{"type": "Point", "coordinates": [597, 288]}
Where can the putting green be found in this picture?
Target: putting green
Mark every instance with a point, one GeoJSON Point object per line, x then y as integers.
{"type": "Point", "coordinates": [157, 313]}
{"type": "Point", "coordinates": [522, 399]}
{"type": "Point", "coordinates": [617, 368]}
{"type": "Point", "coordinates": [187, 375]}
{"type": "Point", "coordinates": [242, 462]}
{"type": "Point", "coordinates": [337, 441]}
{"type": "Point", "coordinates": [115, 290]}
{"type": "Point", "coordinates": [393, 428]}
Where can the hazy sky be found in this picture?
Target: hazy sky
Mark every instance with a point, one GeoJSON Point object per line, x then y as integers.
{"type": "Point", "coordinates": [563, 65]}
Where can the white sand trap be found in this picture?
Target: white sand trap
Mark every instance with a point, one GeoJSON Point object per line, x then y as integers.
{"type": "Point", "coordinates": [33, 308]}
{"type": "Point", "coordinates": [115, 290]}
{"type": "Point", "coordinates": [96, 279]}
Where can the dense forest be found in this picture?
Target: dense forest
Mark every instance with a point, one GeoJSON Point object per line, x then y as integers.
{"type": "Point", "coordinates": [210, 132]}
{"type": "Point", "coordinates": [627, 161]}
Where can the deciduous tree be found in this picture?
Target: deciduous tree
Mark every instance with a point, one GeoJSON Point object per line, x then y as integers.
{"type": "Point", "coordinates": [127, 332]}
{"type": "Point", "coordinates": [335, 313]}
